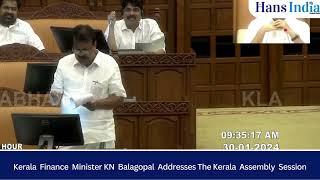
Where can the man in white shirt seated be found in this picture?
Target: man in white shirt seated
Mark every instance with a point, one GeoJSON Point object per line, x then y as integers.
{"type": "Point", "coordinates": [123, 34]}
{"type": "Point", "coordinates": [89, 72]}
{"type": "Point", "coordinates": [275, 30]}
{"type": "Point", "coordinates": [14, 30]}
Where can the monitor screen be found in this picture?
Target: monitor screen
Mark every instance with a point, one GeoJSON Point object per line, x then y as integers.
{"type": "Point", "coordinates": [39, 77]}
{"type": "Point", "coordinates": [66, 129]}
{"type": "Point", "coordinates": [64, 39]}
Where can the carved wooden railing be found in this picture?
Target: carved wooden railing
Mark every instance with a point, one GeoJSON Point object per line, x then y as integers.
{"type": "Point", "coordinates": [14, 98]}
{"type": "Point", "coordinates": [20, 52]}
{"type": "Point", "coordinates": [63, 10]}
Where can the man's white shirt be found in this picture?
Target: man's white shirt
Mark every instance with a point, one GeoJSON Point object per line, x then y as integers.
{"type": "Point", "coordinates": [147, 32]}
{"type": "Point", "coordinates": [20, 32]}
{"type": "Point", "coordinates": [278, 36]}
{"type": "Point", "coordinates": [71, 78]}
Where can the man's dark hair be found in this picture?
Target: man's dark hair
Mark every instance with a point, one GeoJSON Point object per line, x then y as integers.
{"type": "Point", "coordinates": [137, 3]}
{"type": "Point", "coordinates": [84, 33]}
{"type": "Point", "coordinates": [18, 3]}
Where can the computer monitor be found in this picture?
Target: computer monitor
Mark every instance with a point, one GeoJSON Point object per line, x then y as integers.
{"type": "Point", "coordinates": [34, 129]}
{"type": "Point", "coordinates": [39, 77]}
{"type": "Point", "coordinates": [64, 39]}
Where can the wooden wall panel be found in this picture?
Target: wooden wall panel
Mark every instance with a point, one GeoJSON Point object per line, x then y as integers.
{"type": "Point", "coordinates": [201, 74]}
{"type": "Point", "coordinates": [155, 2]}
{"type": "Point", "coordinates": [201, 20]}
{"type": "Point", "coordinates": [167, 84]}
{"type": "Point", "coordinates": [201, 99]}
{"type": "Point", "coordinates": [313, 70]}
{"type": "Point", "coordinates": [164, 26]}
{"type": "Point", "coordinates": [111, 2]}
{"type": "Point", "coordinates": [201, 1]}
{"type": "Point", "coordinates": [135, 83]}
{"type": "Point", "coordinates": [292, 96]}
{"type": "Point", "coordinates": [224, 19]}
{"type": "Point", "coordinates": [314, 96]}
{"type": "Point", "coordinates": [250, 73]}
{"type": "Point", "coordinates": [225, 73]}
{"type": "Point", "coordinates": [224, 98]}
{"type": "Point", "coordinates": [230, 71]}
{"type": "Point", "coordinates": [31, 3]}
{"type": "Point", "coordinates": [293, 71]}
{"type": "Point", "coordinates": [161, 133]}
{"type": "Point", "coordinates": [127, 132]}
{"type": "Point", "coordinates": [299, 76]}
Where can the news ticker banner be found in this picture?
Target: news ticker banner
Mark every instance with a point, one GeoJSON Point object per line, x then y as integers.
{"type": "Point", "coordinates": [159, 164]}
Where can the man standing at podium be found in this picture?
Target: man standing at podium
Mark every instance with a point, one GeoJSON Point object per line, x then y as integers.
{"type": "Point", "coordinates": [90, 85]}
{"type": "Point", "coordinates": [13, 29]}
{"type": "Point", "coordinates": [132, 29]}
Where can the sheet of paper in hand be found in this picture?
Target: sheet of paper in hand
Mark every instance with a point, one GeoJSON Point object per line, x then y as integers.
{"type": "Point", "coordinates": [82, 99]}
{"type": "Point", "coordinates": [97, 89]}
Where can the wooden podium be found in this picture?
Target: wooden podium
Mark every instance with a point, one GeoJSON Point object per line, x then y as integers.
{"type": "Point", "coordinates": [163, 116]}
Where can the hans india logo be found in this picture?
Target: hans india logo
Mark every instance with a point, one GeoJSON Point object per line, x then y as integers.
{"type": "Point", "coordinates": [285, 8]}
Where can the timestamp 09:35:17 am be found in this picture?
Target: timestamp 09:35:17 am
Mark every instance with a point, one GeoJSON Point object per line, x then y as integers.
{"type": "Point", "coordinates": [250, 135]}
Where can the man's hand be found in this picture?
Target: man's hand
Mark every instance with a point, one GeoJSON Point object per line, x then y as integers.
{"type": "Point", "coordinates": [111, 37]}
{"type": "Point", "coordinates": [112, 17]}
{"type": "Point", "coordinates": [280, 24]}
{"type": "Point", "coordinates": [90, 106]}
{"type": "Point", "coordinates": [55, 98]}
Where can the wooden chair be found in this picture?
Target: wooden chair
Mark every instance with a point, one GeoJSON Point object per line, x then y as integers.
{"type": "Point", "coordinates": [63, 15]}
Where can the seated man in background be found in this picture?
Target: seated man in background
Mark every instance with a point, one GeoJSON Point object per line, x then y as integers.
{"type": "Point", "coordinates": [92, 74]}
{"type": "Point", "coordinates": [14, 30]}
{"type": "Point", "coordinates": [275, 30]}
{"type": "Point", "coordinates": [132, 29]}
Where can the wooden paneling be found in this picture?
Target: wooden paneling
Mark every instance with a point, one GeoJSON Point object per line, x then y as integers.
{"type": "Point", "coordinates": [111, 2]}
{"type": "Point", "coordinates": [250, 73]}
{"type": "Point", "coordinates": [292, 96]}
{"type": "Point", "coordinates": [135, 83]}
{"type": "Point", "coordinates": [298, 76]}
{"type": "Point", "coordinates": [293, 71]}
{"type": "Point", "coordinates": [225, 98]}
{"type": "Point", "coordinates": [225, 73]}
{"type": "Point", "coordinates": [222, 15]}
{"type": "Point", "coordinates": [201, 74]}
{"type": "Point", "coordinates": [313, 70]}
{"type": "Point", "coordinates": [314, 96]}
{"type": "Point", "coordinates": [201, 99]}
{"type": "Point", "coordinates": [161, 133]}
{"type": "Point", "coordinates": [127, 132]}
{"type": "Point", "coordinates": [167, 84]}
{"type": "Point", "coordinates": [32, 3]}
{"type": "Point", "coordinates": [201, 20]}
{"type": "Point", "coordinates": [201, 1]}
{"type": "Point", "coordinates": [155, 2]}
